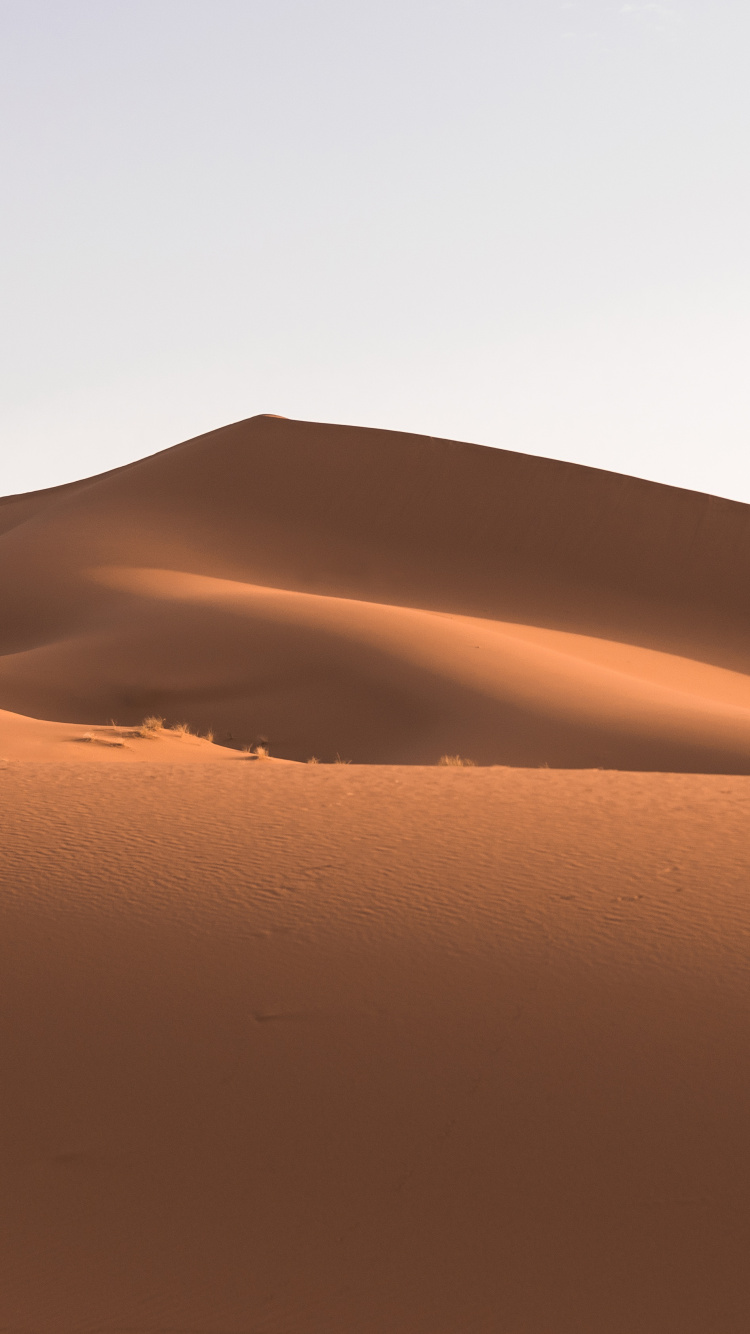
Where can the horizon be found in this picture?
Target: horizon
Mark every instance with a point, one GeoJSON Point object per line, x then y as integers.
{"type": "Point", "coordinates": [522, 227]}
{"type": "Point", "coordinates": [353, 426]}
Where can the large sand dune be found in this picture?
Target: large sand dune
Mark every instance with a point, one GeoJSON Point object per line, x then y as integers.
{"type": "Point", "coordinates": [385, 597]}
{"type": "Point", "coordinates": [374, 1048]}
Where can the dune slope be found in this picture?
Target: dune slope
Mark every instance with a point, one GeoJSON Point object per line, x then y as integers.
{"type": "Point", "coordinates": [33, 739]}
{"type": "Point", "coordinates": [386, 597]}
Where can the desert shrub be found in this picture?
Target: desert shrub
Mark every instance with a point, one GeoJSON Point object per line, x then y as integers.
{"type": "Point", "coordinates": [151, 724]}
{"type": "Point", "coordinates": [182, 729]}
{"type": "Point", "coordinates": [313, 760]}
{"type": "Point", "coordinates": [456, 761]}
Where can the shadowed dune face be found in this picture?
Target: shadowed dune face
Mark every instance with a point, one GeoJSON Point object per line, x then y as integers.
{"type": "Point", "coordinates": [387, 597]}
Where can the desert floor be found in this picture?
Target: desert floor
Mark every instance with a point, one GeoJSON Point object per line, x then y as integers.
{"type": "Point", "coordinates": [360, 1048]}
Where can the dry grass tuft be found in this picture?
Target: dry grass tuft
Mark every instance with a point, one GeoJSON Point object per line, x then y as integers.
{"type": "Point", "coordinates": [181, 729]}
{"type": "Point", "coordinates": [313, 760]}
{"type": "Point", "coordinates": [456, 761]}
{"type": "Point", "coordinates": [256, 752]}
{"type": "Point", "coordinates": [338, 760]}
{"type": "Point", "coordinates": [210, 734]}
{"type": "Point", "coordinates": [151, 725]}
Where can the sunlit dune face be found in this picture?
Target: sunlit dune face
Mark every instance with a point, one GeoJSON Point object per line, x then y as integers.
{"type": "Point", "coordinates": [561, 674]}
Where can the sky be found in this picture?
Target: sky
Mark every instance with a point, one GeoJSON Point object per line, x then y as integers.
{"type": "Point", "coordinates": [522, 223]}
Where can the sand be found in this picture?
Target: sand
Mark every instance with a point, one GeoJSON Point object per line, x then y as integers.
{"type": "Point", "coordinates": [32, 739]}
{"type": "Point", "coordinates": [381, 1046]}
{"type": "Point", "coordinates": [389, 598]}
{"type": "Point", "coordinates": [335, 1048]}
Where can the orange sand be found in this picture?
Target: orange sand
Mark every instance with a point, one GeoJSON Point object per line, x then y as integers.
{"type": "Point", "coordinates": [331, 1049]}
{"type": "Point", "coordinates": [348, 1049]}
{"type": "Point", "coordinates": [386, 597]}
{"type": "Point", "coordinates": [31, 739]}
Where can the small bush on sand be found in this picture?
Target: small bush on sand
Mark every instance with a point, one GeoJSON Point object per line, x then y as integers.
{"type": "Point", "coordinates": [151, 725]}
{"type": "Point", "coordinates": [313, 760]}
{"type": "Point", "coordinates": [456, 761]}
{"type": "Point", "coordinates": [182, 729]}
{"type": "Point", "coordinates": [210, 735]}
{"type": "Point", "coordinates": [256, 752]}
{"type": "Point", "coordinates": [338, 760]}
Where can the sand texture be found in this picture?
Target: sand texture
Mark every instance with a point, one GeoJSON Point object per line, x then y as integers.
{"type": "Point", "coordinates": [389, 598]}
{"type": "Point", "coordinates": [27, 739]}
{"type": "Point", "coordinates": [314, 1050]}
{"type": "Point", "coordinates": [389, 1046]}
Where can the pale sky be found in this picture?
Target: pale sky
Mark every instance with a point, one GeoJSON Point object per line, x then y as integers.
{"type": "Point", "coordinates": [520, 222]}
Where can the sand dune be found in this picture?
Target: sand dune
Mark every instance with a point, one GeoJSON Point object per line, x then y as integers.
{"type": "Point", "coordinates": [32, 739]}
{"type": "Point", "coordinates": [385, 597]}
{"type": "Point", "coordinates": [383, 1046]}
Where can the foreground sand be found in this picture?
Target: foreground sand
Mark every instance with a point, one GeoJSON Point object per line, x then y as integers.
{"type": "Point", "coordinates": [317, 1050]}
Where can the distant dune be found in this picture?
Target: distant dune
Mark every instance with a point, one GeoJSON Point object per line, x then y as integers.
{"type": "Point", "coordinates": [389, 598]}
